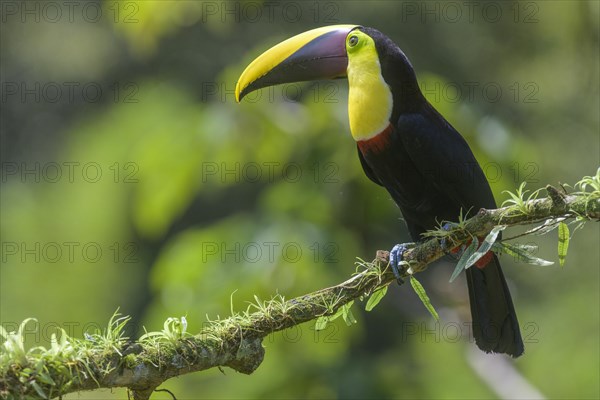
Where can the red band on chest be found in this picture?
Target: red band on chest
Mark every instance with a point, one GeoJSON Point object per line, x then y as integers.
{"type": "Point", "coordinates": [377, 143]}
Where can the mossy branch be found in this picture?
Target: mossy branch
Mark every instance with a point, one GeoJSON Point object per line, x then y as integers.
{"type": "Point", "coordinates": [108, 360]}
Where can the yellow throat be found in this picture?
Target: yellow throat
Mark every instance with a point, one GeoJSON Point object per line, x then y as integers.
{"type": "Point", "coordinates": [370, 97]}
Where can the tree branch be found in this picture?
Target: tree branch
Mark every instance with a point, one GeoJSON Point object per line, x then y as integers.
{"type": "Point", "coordinates": [236, 342]}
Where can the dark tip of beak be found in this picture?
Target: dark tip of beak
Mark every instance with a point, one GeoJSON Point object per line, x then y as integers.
{"type": "Point", "coordinates": [322, 58]}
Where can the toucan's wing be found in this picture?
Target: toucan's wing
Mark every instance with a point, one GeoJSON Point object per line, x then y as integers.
{"type": "Point", "coordinates": [444, 159]}
{"type": "Point", "coordinates": [368, 171]}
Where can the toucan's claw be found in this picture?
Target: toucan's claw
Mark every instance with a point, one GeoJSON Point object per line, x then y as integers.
{"type": "Point", "coordinates": [455, 253]}
{"type": "Point", "coordinates": [396, 260]}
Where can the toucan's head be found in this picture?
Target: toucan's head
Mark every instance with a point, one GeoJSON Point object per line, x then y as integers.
{"type": "Point", "coordinates": [381, 79]}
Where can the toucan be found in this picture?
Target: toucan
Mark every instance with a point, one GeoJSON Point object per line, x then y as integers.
{"type": "Point", "coordinates": [404, 145]}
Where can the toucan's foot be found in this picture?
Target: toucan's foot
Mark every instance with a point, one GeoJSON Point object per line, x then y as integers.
{"type": "Point", "coordinates": [455, 252]}
{"type": "Point", "coordinates": [396, 260]}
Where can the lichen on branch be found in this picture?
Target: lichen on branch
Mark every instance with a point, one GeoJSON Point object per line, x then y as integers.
{"type": "Point", "coordinates": [106, 359]}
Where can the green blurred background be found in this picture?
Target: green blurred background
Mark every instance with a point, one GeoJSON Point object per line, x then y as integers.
{"type": "Point", "coordinates": [132, 179]}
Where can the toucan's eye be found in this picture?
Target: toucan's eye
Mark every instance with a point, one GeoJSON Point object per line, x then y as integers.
{"type": "Point", "coordinates": [353, 41]}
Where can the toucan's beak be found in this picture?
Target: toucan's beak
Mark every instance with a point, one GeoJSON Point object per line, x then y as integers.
{"type": "Point", "coordinates": [316, 54]}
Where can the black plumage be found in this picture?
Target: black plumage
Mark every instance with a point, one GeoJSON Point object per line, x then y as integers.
{"type": "Point", "coordinates": [431, 173]}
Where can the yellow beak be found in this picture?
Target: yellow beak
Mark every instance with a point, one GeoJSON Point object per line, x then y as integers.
{"type": "Point", "coordinates": [316, 54]}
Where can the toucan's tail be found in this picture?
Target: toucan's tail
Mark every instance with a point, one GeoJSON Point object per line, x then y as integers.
{"type": "Point", "coordinates": [495, 324]}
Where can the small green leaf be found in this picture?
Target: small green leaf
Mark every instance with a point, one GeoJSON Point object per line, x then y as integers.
{"type": "Point", "coordinates": [375, 298]}
{"type": "Point", "coordinates": [347, 313]}
{"type": "Point", "coordinates": [420, 291]}
{"type": "Point", "coordinates": [462, 263]}
{"type": "Point", "coordinates": [321, 323]}
{"type": "Point", "coordinates": [349, 318]}
{"type": "Point", "coordinates": [548, 226]}
{"type": "Point", "coordinates": [563, 242]}
{"type": "Point", "coordinates": [523, 253]}
{"type": "Point", "coordinates": [38, 389]}
{"type": "Point", "coordinates": [487, 244]}
{"type": "Point", "coordinates": [338, 313]}
{"type": "Point", "coordinates": [45, 378]}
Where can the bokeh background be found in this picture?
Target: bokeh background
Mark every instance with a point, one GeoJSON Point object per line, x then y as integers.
{"type": "Point", "coordinates": [131, 179]}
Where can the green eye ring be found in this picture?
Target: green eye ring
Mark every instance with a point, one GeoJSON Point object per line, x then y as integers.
{"type": "Point", "coordinates": [353, 41]}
